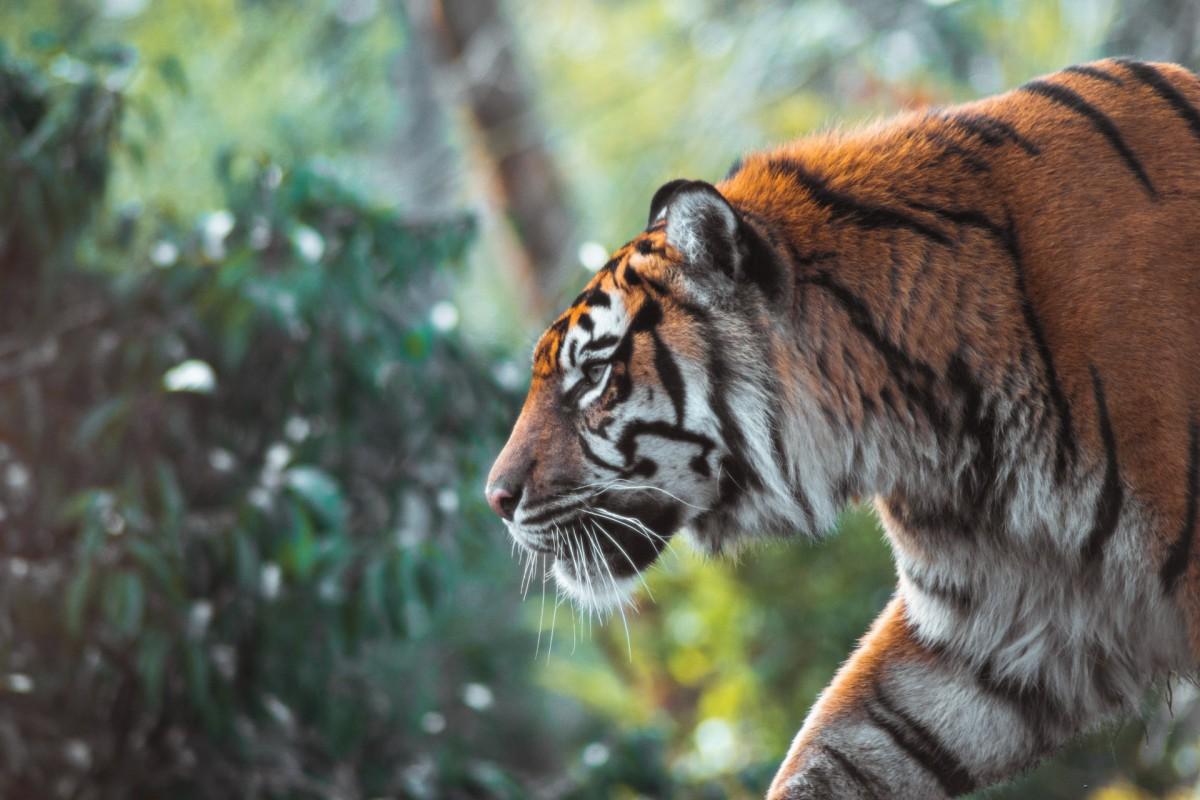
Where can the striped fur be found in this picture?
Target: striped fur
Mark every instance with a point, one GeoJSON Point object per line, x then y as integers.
{"type": "Point", "coordinates": [987, 318]}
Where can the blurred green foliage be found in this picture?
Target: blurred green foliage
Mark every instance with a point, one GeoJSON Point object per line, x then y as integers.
{"type": "Point", "coordinates": [246, 409]}
{"type": "Point", "coordinates": [239, 462]}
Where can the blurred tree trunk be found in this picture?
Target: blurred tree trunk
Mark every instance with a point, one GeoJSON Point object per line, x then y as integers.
{"type": "Point", "coordinates": [425, 158]}
{"type": "Point", "coordinates": [476, 53]}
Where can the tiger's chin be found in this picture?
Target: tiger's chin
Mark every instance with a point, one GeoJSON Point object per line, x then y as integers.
{"type": "Point", "coordinates": [598, 564]}
{"type": "Point", "coordinates": [596, 591]}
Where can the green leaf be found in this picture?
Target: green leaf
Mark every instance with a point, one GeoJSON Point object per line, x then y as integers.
{"type": "Point", "coordinates": [319, 491]}
{"type": "Point", "coordinates": [395, 596]}
{"type": "Point", "coordinates": [124, 601]}
{"type": "Point", "coordinates": [170, 68]}
{"type": "Point", "coordinates": [374, 591]}
{"type": "Point", "coordinates": [77, 598]}
{"type": "Point", "coordinates": [153, 649]}
{"type": "Point", "coordinates": [195, 663]}
{"type": "Point", "coordinates": [245, 560]}
{"type": "Point", "coordinates": [154, 561]}
{"type": "Point", "coordinates": [99, 420]}
{"type": "Point", "coordinates": [299, 551]}
{"type": "Point", "coordinates": [45, 40]}
{"type": "Point", "coordinates": [170, 498]}
{"type": "Point", "coordinates": [428, 582]}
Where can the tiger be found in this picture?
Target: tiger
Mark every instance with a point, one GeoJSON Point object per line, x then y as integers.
{"type": "Point", "coordinates": [982, 318]}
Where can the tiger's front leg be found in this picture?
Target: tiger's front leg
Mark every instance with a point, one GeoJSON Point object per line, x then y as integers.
{"type": "Point", "coordinates": [901, 720]}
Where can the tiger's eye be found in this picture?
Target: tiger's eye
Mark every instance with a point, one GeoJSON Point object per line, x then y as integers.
{"type": "Point", "coordinates": [593, 373]}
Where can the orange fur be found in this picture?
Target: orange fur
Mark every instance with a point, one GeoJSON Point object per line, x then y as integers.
{"type": "Point", "coordinates": [1135, 260]}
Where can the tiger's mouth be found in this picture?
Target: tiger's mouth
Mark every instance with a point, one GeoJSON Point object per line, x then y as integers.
{"type": "Point", "coordinates": [598, 552]}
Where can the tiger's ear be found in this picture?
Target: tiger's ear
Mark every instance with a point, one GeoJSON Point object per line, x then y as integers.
{"type": "Point", "coordinates": [703, 227]}
{"type": "Point", "coordinates": [658, 203]}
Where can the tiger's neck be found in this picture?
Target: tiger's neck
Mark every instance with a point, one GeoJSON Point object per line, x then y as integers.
{"type": "Point", "coordinates": [886, 382]}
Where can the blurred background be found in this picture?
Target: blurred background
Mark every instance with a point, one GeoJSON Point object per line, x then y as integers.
{"type": "Point", "coordinates": [269, 276]}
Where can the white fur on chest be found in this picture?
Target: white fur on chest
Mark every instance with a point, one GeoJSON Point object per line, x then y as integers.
{"type": "Point", "coordinates": [1036, 614]}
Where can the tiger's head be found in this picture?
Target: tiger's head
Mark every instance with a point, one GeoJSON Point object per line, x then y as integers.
{"type": "Point", "coordinates": [656, 404]}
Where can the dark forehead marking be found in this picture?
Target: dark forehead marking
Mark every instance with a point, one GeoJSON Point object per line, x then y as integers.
{"type": "Point", "coordinates": [594, 296]}
{"type": "Point", "coordinates": [598, 298]}
{"type": "Point", "coordinates": [601, 342]}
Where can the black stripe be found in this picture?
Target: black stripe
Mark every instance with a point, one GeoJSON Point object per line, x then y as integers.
{"type": "Point", "coordinates": [777, 449]}
{"type": "Point", "coordinates": [646, 319]}
{"type": "Point", "coordinates": [734, 168]}
{"type": "Point", "coordinates": [1066, 98]}
{"type": "Point", "coordinates": [808, 259]}
{"type": "Point", "coordinates": [1093, 72]}
{"type": "Point", "coordinates": [1038, 708]}
{"type": "Point", "coordinates": [954, 596]}
{"type": "Point", "coordinates": [865, 782]}
{"type": "Point", "coordinates": [736, 475]}
{"type": "Point", "coordinates": [980, 496]}
{"type": "Point", "coordinates": [670, 376]}
{"type": "Point", "coordinates": [1181, 549]}
{"type": "Point", "coordinates": [627, 444]}
{"type": "Point", "coordinates": [595, 296]}
{"type": "Point", "coordinates": [950, 148]}
{"type": "Point", "coordinates": [914, 377]}
{"type": "Point", "coordinates": [1065, 447]}
{"type": "Point", "coordinates": [643, 467]}
{"type": "Point", "coordinates": [552, 501]}
{"type": "Point", "coordinates": [600, 342]}
{"type": "Point", "coordinates": [920, 743]}
{"type": "Point", "coordinates": [1108, 504]}
{"type": "Point", "coordinates": [656, 286]}
{"type": "Point", "coordinates": [548, 514]}
{"type": "Point", "coordinates": [758, 250]}
{"type": "Point", "coordinates": [597, 459]}
{"type": "Point", "coordinates": [842, 206]}
{"type": "Point", "coordinates": [969, 217]}
{"type": "Point", "coordinates": [590, 455]}
{"type": "Point", "coordinates": [1154, 79]}
{"type": "Point", "coordinates": [993, 132]}
{"type": "Point", "coordinates": [806, 507]}
{"type": "Point", "coordinates": [860, 315]}
{"type": "Point", "coordinates": [1102, 680]}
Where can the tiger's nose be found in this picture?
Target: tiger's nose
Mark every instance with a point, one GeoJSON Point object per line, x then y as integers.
{"type": "Point", "coordinates": [503, 501]}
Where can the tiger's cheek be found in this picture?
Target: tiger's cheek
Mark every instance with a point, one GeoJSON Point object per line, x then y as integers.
{"type": "Point", "coordinates": [599, 415]}
{"type": "Point", "coordinates": [597, 418]}
{"type": "Point", "coordinates": [620, 386]}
